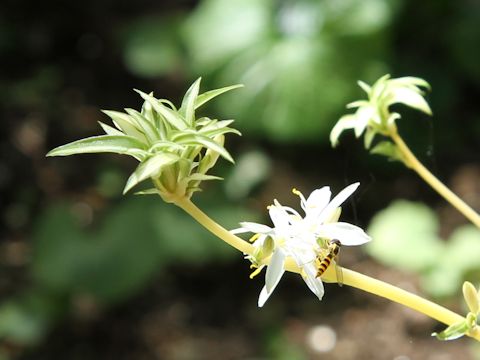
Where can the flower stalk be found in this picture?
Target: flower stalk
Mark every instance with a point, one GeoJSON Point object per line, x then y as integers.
{"type": "Point", "coordinates": [350, 277]}
{"type": "Point", "coordinates": [373, 117]}
{"type": "Point", "coordinates": [411, 161]}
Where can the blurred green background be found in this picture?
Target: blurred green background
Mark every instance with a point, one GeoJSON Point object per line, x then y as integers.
{"type": "Point", "coordinates": [89, 274]}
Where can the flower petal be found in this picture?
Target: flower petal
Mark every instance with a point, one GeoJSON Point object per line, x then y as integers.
{"type": "Point", "coordinates": [345, 122]}
{"type": "Point", "coordinates": [410, 98]}
{"type": "Point", "coordinates": [252, 227]}
{"type": "Point", "coordinates": [275, 270]}
{"type": "Point", "coordinates": [317, 201]}
{"type": "Point", "coordinates": [363, 115]}
{"type": "Point", "coordinates": [280, 218]}
{"type": "Point", "coordinates": [348, 234]}
{"type": "Point", "coordinates": [264, 295]}
{"type": "Point", "coordinates": [315, 284]}
{"type": "Point", "coordinates": [337, 201]}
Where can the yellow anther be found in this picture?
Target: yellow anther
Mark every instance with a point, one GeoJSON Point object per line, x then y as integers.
{"type": "Point", "coordinates": [254, 238]}
{"type": "Point", "coordinates": [296, 192]}
{"type": "Point", "coordinates": [255, 273]}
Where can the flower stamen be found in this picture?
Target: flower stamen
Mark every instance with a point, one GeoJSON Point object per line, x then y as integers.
{"type": "Point", "coordinates": [256, 271]}
{"type": "Point", "coordinates": [254, 238]}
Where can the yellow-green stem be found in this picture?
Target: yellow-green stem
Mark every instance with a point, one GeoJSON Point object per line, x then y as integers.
{"type": "Point", "coordinates": [213, 227]}
{"type": "Point", "coordinates": [350, 277]}
{"type": "Point", "coordinates": [412, 162]}
{"type": "Point", "coordinates": [403, 297]}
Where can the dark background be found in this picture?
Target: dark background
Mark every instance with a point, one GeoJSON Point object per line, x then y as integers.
{"type": "Point", "coordinates": [88, 274]}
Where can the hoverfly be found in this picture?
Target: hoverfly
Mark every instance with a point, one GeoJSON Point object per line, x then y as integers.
{"type": "Point", "coordinates": [333, 250]}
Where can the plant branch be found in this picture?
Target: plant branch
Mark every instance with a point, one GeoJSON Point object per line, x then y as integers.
{"type": "Point", "coordinates": [412, 162]}
{"type": "Point", "coordinates": [219, 231]}
{"type": "Point", "coordinates": [350, 277]}
{"type": "Point", "coordinates": [393, 293]}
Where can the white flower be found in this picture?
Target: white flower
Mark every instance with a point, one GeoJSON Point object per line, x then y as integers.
{"type": "Point", "coordinates": [299, 237]}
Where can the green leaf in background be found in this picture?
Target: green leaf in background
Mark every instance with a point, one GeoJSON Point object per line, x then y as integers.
{"type": "Point", "coordinates": [251, 169]}
{"type": "Point", "coordinates": [151, 47]}
{"type": "Point", "coordinates": [460, 257]}
{"type": "Point", "coordinates": [288, 58]}
{"type": "Point", "coordinates": [405, 236]}
{"type": "Point", "coordinates": [25, 320]}
{"type": "Point", "coordinates": [108, 264]}
{"type": "Point", "coordinates": [133, 242]}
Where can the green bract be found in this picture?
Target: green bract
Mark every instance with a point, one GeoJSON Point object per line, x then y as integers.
{"type": "Point", "coordinates": [470, 323]}
{"type": "Point", "coordinates": [373, 115]}
{"type": "Point", "coordinates": [175, 149]}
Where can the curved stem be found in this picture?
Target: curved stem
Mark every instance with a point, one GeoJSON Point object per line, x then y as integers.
{"type": "Point", "coordinates": [403, 297]}
{"type": "Point", "coordinates": [350, 277]}
{"type": "Point", "coordinates": [412, 162]}
{"type": "Point", "coordinates": [213, 227]}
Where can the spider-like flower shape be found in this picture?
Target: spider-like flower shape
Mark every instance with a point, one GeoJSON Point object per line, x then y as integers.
{"type": "Point", "coordinates": [301, 238]}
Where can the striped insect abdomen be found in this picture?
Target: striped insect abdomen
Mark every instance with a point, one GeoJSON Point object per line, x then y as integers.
{"type": "Point", "coordinates": [327, 260]}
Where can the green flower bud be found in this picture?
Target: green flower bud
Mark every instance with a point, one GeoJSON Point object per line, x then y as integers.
{"type": "Point", "coordinates": [471, 297]}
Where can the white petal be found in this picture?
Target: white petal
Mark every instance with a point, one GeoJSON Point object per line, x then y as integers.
{"type": "Point", "coordinates": [345, 122]}
{"type": "Point", "coordinates": [280, 218]}
{"type": "Point", "coordinates": [337, 201]}
{"type": "Point", "coordinates": [275, 270]}
{"type": "Point", "coordinates": [348, 234]}
{"type": "Point", "coordinates": [364, 115]}
{"type": "Point", "coordinates": [302, 257]}
{"type": "Point", "coordinates": [253, 228]}
{"type": "Point", "coordinates": [317, 201]}
{"type": "Point", "coordinates": [315, 284]}
{"type": "Point", "coordinates": [291, 211]}
{"type": "Point", "coordinates": [410, 98]}
{"type": "Point", "coordinates": [264, 295]}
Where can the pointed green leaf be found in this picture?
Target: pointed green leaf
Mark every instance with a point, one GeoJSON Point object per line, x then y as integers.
{"type": "Point", "coordinates": [356, 104]}
{"type": "Point", "coordinates": [410, 98]}
{"type": "Point", "coordinates": [365, 87]}
{"type": "Point", "coordinates": [453, 332]}
{"type": "Point", "coordinates": [146, 125]}
{"type": "Point", "coordinates": [110, 130]}
{"type": "Point", "coordinates": [345, 122]}
{"type": "Point", "coordinates": [215, 125]}
{"type": "Point", "coordinates": [196, 139]}
{"type": "Point", "coordinates": [387, 149]}
{"type": "Point", "coordinates": [412, 81]}
{"type": "Point", "coordinates": [368, 137]}
{"type": "Point", "coordinates": [125, 123]}
{"type": "Point", "coordinates": [152, 191]}
{"type": "Point", "coordinates": [218, 129]}
{"type": "Point", "coordinates": [149, 168]}
{"type": "Point", "coordinates": [187, 110]}
{"type": "Point", "coordinates": [172, 117]}
{"type": "Point", "coordinates": [165, 146]}
{"type": "Point", "coordinates": [209, 95]}
{"type": "Point", "coordinates": [204, 121]}
{"type": "Point", "coordinates": [201, 177]}
{"type": "Point", "coordinates": [120, 144]}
